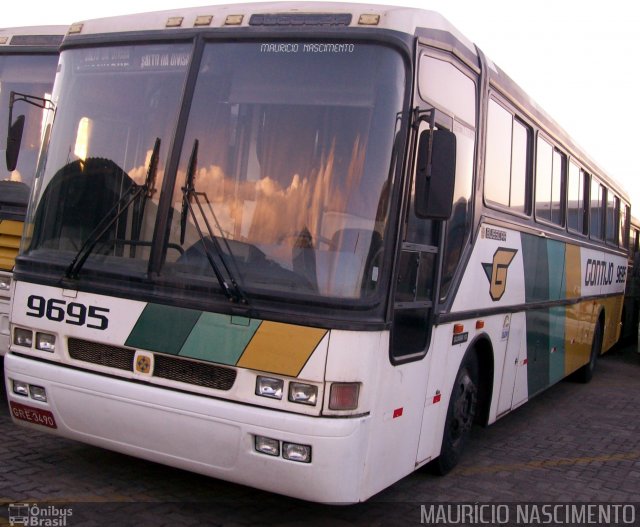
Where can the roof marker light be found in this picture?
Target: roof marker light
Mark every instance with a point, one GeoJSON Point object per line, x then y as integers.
{"type": "Point", "coordinates": [369, 20]}
{"type": "Point", "coordinates": [174, 21]}
{"type": "Point", "coordinates": [233, 20]}
{"type": "Point", "coordinates": [203, 20]}
{"type": "Point", "coordinates": [74, 29]}
{"type": "Point", "coordinates": [4, 40]}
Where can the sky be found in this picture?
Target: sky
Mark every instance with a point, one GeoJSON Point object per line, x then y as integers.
{"type": "Point", "coordinates": [578, 59]}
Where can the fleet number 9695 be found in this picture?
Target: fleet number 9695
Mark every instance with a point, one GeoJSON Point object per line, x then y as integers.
{"type": "Point", "coordinates": [72, 313]}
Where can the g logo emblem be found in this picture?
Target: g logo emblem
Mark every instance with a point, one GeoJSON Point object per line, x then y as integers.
{"type": "Point", "coordinates": [143, 363]}
{"type": "Point", "coordinates": [496, 272]}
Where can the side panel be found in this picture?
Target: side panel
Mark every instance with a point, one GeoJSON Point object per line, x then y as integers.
{"type": "Point", "coordinates": [509, 270]}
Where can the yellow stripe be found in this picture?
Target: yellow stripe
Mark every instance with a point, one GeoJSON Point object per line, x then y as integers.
{"type": "Point", "coordinates": [572, 271]}
{"type": "Point", "coordinates": [578, 334]}
{"type": "Point", "coordinates": [281, 348]}
{"type": "Point", "coordinates": [10, 233]}
{"type": "Point", "coordinates": [11, 227]}
{"type": "Point", "coordinates": [613, 312]}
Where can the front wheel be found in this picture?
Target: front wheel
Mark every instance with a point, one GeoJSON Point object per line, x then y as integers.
{"type": "Point", "coordinates": [461, 412]}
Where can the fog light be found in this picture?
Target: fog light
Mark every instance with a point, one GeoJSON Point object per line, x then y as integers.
{"type": "Point", "coordinates": [38, 393]}
{"type": "Point", "coordinates": [294, 452]}
{"type": "Point", "coordinates": [303, 393]}
{"type": "Point", "coordinates": [266, 445]}
{"type": "Point", "coordinates": [269, 387]}
{"type": "Point", "coordinates": [20, 388]}
{"type": "Point", "coordinates": [46, 342]}
{"type": "Point", "coordinates": [22, 337]}
{"type": "Point", "coordinates": [344, 396]}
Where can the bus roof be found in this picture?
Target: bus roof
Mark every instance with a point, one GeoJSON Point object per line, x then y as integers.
{"type": "Point", "coordinates": [429, 26]}
{"type": "Point", "coordinates": [403, 19]}
{"type": "Point", "coordinates": [31, 38]}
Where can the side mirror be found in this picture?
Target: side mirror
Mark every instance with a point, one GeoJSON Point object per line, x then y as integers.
{"type": "Point", "coordinates": [14, 139]}
{"type": "Point", "coordinates": [435, 174]}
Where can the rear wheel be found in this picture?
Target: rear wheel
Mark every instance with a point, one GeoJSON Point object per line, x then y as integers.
{"type": "Point", "coordinates": [585, 374]}
{"type": "Point", "coordinates": [461, 412]}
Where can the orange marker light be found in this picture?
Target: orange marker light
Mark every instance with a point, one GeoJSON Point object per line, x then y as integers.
{"type": "Point", "coordinates": [457, 329]}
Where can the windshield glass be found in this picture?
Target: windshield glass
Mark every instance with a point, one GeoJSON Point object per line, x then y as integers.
{"type": "Point", "coordinates": [283, 181]}
{"type": "Point", "coordinates": [293, 161]}
{"type": "Point", "coordinates": [114, 104]}
{"type": "Point", "coordinates": [31, 75]}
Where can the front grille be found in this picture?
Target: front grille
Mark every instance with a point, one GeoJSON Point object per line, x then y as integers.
{"type": "Point", "coordinates": [102, 354]}
{"type": "Point", "coordinates": [166, 367]}
{"type": "Point", "coordinates": [198, 373]}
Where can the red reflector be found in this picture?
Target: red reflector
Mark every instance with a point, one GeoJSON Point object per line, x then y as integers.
{"type": "Point", "coordinates": [397, 412]}
{"type": "Point", "coordinates": [525, 361]}
{"type": "Point", "coordinates": [436, 398]}
{"type": "Point", "coordinates": [457, 329]}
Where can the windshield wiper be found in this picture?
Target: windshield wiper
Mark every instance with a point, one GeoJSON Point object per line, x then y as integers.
{"type": "Point", "coordinates": [145, 191]}
{"type": "Point", "coordinates": [231, 288]}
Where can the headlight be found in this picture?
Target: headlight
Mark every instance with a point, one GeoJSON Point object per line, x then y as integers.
{"type": "Point", "coordinates": [5, 283]}
{"type": "Point", "coordinates": [269, 387]}
{"type": "Point", "coordinates": [303, 393]}
{"type": "Point", "coordinates": [46, 342]}
{"type": "Point", "coordinates": [23, 337]}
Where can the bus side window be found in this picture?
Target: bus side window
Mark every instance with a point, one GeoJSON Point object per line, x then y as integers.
{"type": "Point", "coordinates": [551, 169]}
{"type": "Point", "coordinates": [577, 188]}
{"type": "Point", "coordinates": [507, 170]}
{"type": "Point", "coordinates": [596, 217]}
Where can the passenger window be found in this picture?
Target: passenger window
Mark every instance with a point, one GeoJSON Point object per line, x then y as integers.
{"type": "Point", "coordinates": [596, 218]}
{"type": "Point", "coordinates": [506, 161]}
{"type": "Point", "coordinates": [625, 219]}
{"type": "Point", "coordinates": [576, 203]}
{"type": "Point", "coordinates": [613, 218]}
{"type": "Point", "coordinates": [550, 172]}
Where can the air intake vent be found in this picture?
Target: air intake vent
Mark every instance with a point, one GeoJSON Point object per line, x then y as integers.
{"type": "Point", "coordinates": [165, 367]}
{"type": "Point", "coordinates": [101, 354]}
{"type": "Point", "coordinates": [191, 372]}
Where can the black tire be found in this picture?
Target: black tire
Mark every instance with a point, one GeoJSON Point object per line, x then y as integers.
{"type": "Point", "coordinates": [461, 413]}
{"type": "Point", "coordinates": [585, 373]}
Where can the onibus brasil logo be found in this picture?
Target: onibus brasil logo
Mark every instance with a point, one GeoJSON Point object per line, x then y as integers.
{"type": "Point", "coordinates": [496, 271]}
{"type": "Point", "coordinates": [32, 514]}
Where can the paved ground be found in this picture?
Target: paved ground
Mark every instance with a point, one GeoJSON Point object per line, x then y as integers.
{"type": "Point", "coordinates": [573, 443]}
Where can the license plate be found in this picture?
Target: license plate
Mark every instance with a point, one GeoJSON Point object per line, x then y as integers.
{"type": "Point", "coordinates": [33, 415]}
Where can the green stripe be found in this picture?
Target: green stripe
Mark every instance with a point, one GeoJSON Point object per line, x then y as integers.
{"type": "Point", "coordinates": [556, 255]}
{"type": "Point", "coordinates": [219, 338]}
{"type": "Point", "coordinates": [556, 343]}
{"type": "Point", "coordinates": [163, 328]}
{"type": "Point", "coordinates": [536, 268]}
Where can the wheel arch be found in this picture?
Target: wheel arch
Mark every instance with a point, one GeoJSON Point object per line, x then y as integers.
{"type": "Point", "coordinates": [483, 349]}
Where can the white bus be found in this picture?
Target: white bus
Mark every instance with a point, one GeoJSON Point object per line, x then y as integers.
{"type": "Point", "coordinates": [28, 60]}
{"type": "Point", "coordinates": [303, 247]}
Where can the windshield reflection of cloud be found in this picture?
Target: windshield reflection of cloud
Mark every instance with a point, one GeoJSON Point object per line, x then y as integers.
{"type": "Point", "coordinates": [266, 212]}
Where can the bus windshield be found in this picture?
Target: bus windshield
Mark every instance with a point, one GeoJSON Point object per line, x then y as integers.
{"type": "Point", "coordinates": [31, 75]}
{"type": "Point", "coordinates": [283, 179]}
